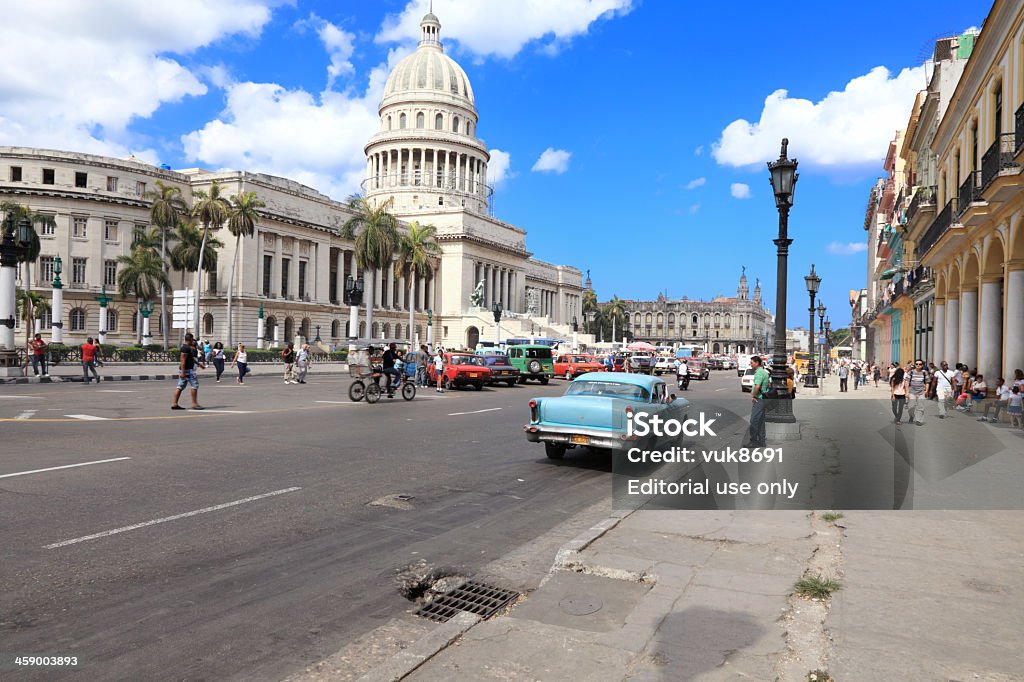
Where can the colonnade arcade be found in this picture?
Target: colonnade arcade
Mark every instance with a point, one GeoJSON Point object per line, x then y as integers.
{"type": "Point", "coordinates": [427, 167]}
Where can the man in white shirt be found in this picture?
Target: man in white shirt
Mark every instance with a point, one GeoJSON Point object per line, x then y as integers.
{"type": "Point", "coordinates": [946, 381]}
{"type": "Point", "coordinates": [999, 403]}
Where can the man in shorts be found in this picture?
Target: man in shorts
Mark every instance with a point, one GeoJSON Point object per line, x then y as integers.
{"type": "Point", "coordinates": [187, 373]}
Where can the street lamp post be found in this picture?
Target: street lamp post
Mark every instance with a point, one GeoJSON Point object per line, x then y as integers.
{"type": "Point", "coordinates": [828, 334]}
{"type": "Point", "coordinates": [146, 309]}
{"type": "Point", "coordinates": [353, 297]}
{"type": "Point", "coordinates": [783, 180]}
{"type": "Point", "coordinates": [575, 335]}
{"type": "Point", "coordinates": [821, 346]}
{"type": "Point", "coordinates": [813, 282]}
{"type": "Point", "coordinates": [16, 239]}
{"type": "Point", "coordinates": [496, 310]}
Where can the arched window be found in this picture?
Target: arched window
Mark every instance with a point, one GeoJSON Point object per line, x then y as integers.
{"type": "Point", "coordinates": [420, 120]}
{"type": "Point", "coordinates": [671, 320]}
{"type": "Point", "coordinates": [419, 334]}
{"type": "Point", "coordinates": [208, 324]}
{"type": "Point", "coordinates": [389, 123]}
{"type": "Point", "coordinates": [401, 121]}
{"type": "Point", "coordinates": [362, 330]}
{"type": "Point", "coordinates": [693, 320]}
{"type": "Point", "coordinates": [636, 319]}
{"type": "Point", "coordinates": [439, 122]}
{"type": "Point", "coordinates": [661, 320]}
{"type": "Point", "coordinates": [718, 320]}
{"type": "Point", "coordinates": [398, 331]}
{"type": "Point", "coordinates": [387, 331]}
{"type": "Point", "coordinates": [112, 320]}
{"type": "Point", "coordinates": [648, 318]}
{"type": "Point", "coordinates": [728, 321]}
{"type": "Point", "coordinates": [304, 328]}
{"type": "Point", "coordinates": [268, 328]}
{"type": "Point", "coordinates": [289, 330]}
{"type": "Point", "coordinates": [335, 326]}
{"type": "Point", "coordinates": [373, 330]}
{"type": "Point", "coordinates": [455, 124]}
{"type": "Point", "coordinates": [77, 318]}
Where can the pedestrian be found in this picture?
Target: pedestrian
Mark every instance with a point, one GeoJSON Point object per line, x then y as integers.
{"type": "Point", "coordinates": [963, 400]}
{"type": "Point", "coordinates": [758, 436]}
{"type": "Point", "coordinates": [217, 353]}
{"type": "Point", "coordinates": [38, 355]}
{"type": "Point", "coordinates": [876, 373]}
{"type": "Point", "coordinates": [918, 388]}
{"type": "Point", "coordinates": [439, 368]}
{"type": "Point", "coordinates": [288, 357]}
{"type": "Point", "coordinates": [1013, 408]}
{"type": "Point", "coordinates": [945, 387]}
{"type": "Point", "coordinates": [791, 382]}
{"type": "Point", "coordinates": [898, 394]}
{"type": "Point", "coordinates": [1018, 379]}
{"type": "Point", "coordinates": [241, 360]}
{"type": "Point", "coordinates": [844, 377]}
{"type": "Point", "coordinates": [187, 363]}
{"type": "Point", "coordinates": [207, 350]}
{"type": "Point", "coordinates": [89, 353]}
{"type": "Point", "coordinates": [422, 358]}
{"type": "Point", "coordinates": [303, 359]}
{"type": "Point", "coordinates": [999, 402]}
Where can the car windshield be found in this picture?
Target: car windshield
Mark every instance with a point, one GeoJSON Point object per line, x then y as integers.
{"type": "Point", "coordinates": [467, 360]}
{"type": "Point", "coordinates": [749, 371]}
{"type": "Point", "coordinates": [495, 360]}
{"type": "Point", "coordinates": [542, 353]}
{"type": "Point", "coordinates": [608, 388]}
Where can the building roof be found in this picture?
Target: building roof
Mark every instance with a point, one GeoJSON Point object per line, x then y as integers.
{"type": "Point", "coordinates": [428, 72]}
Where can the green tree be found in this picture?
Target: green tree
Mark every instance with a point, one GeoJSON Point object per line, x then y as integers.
{"type": "Point", "coordinates": [417, 251]}
{"type": "Point", "coordinates": [374, 232]}
{"type": "Point", "coordinates": [211, 209]}
{"type": "Point", "coordinates": [242, 218]}
{"type": "Point", "coordinates": [615, 310]}
{"type": "Point", "coordinates": [166, 207]}
{"type": "Point", "coordinates": [185, 254]}
{"type": "Point", "coordinates": [142, 275]}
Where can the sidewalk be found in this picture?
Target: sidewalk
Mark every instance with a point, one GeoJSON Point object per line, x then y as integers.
{"type": "Point", "coordinates": [709, 595]}
{"type": "Point", "coordinates": [131, 371]}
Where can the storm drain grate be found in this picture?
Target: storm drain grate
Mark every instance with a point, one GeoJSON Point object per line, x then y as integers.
{"type": "Point", "coordinates": [479, 598]}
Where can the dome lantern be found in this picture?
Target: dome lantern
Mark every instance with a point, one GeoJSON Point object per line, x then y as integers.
{"type": "Point", "coordinates": [430, 31]}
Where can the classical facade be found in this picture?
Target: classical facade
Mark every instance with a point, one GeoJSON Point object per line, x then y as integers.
{"type": "Point", "coordinates": [425, 159]}
{"type": "Point", "coordinates": [740, 324]}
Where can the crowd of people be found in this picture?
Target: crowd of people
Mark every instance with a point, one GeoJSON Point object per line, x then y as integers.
{"type": "Point", "coordinates": [961, 388]}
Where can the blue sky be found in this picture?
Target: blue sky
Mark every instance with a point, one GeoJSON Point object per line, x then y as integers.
{"type": "Point", "coordinates": [629, 137]}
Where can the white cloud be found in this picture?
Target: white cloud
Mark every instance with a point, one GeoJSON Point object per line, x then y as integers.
{"type": "Point", "coordinates": [739, 190]}
{"type": "Point", "coordinates": [848, 127]}
{"type": "Point", "coordinates": [339, 45]}
{"type": "Point", "coordinates": [553, 161]}
{"type": "Point", "coordinates": [699, 150]}
{"type": "Point", "coordinates": [502, 29]}
{"type": "Point", "coordinates": [694, 184]}
{"type": "Point", "coordinates": [694, 208]}
{"type": "Point", "coordinates": [315, 139]}
{"type": "Point", "coordinates": [847, 249]}
{"type": "Point", "coordinates": [75, 74]}
{"type": "Point", "coordinates": [498, 167]}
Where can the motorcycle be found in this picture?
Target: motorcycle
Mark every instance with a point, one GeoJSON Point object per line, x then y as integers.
{"type": "Point", "coordinates": [683, 381]}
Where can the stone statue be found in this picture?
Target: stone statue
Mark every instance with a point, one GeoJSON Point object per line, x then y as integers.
{"type": "Point", "coordinates": [477, 297]}
{"type": "Point", "coordinates": [532, 302]}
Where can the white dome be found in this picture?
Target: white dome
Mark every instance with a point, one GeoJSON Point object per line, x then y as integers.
{"type": "Point", "coordinates": [428, 72]}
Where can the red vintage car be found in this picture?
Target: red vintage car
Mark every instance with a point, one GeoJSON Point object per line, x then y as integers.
{"type": "Point", "coordinates": [572, 365]}
{"type": "Point", "coordinates": [462, 369]}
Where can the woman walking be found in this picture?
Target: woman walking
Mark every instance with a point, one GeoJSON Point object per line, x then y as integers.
{"type": "Point", "coordinates": [241, 360]}
{"type": "Point", "coordinates": [898, 394]}
{"type": "Point", "coordinates": [439, 368]}
{"type": "Point", "coordinates": [876, 373]}
{"type": "Point", "coordinates": [218, 358]}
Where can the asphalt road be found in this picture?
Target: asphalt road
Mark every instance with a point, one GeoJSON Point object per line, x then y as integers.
{"type": "Point", "coordinates": [239, 544]}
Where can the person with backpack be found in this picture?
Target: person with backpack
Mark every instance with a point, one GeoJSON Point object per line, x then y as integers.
{"type": "Point", "coordinates": [188, 360]}
{"type": "Point", "coordinates": [918, 388]}
{"type": "Point", "coordinates": [288, 358]}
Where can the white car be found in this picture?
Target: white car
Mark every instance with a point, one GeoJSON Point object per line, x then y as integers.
{"type": "Point", "coordinates": [747, 380]}
{"type": "Point", "coordinates": [665, 365]}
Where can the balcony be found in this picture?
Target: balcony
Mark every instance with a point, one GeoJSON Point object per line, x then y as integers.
{"type": "Point", "coordinates": [922, 202]}
{"type": "Point", "coordinates": [942, 237]}
{"type": "Point", "coordinates": [972, 208]}
{"type": "Point", "coordinates": [1000, 174]}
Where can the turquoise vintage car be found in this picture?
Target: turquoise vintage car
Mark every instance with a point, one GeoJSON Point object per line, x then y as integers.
{"type": "Point", "coordinates": [595, 409]}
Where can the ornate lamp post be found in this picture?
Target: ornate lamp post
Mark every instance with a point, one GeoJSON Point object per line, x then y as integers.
{"type": "Point", "coordinates": [813, 282]}
{"type": "Point", "coordinates": [57, 304]}
{"type": "Point", "coordinates": [104, 300]}
{"type": "Point", "coordinates": [496, 310]}
{"type": "Point", "coordinates": [146, 309]}
{"type": "Point", "coordinates": [261, 327]}
{"type": "Point", "coordinates": [575, 335]}
{"type": "Point", "coordinates": [15, 242]}
{"type": "Point", "coordinates": [828, 334]}
{"type": "Point", "coordinates": [353, 297]}
{"type": "Point", "coordinates": [821, 346]}
{"type": "Point", "coordinates": [317, 339]}
{"type": "Point", "coordinates": [783, 179]}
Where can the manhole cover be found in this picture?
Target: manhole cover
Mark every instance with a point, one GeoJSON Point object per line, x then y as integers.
{"type": "Point", "coordinates": [472, 596]}
{"type": "Point", "coordinates": [581, 604]}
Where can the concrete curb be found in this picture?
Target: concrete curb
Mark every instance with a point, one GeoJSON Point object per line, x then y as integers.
{"type": "Point", "coordinates": [567, 558]}
{"type": "Point", "coordinates": [406, 662]}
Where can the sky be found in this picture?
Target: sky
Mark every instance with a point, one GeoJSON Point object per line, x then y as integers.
{"type": "Point", "coordinates": [628, 137]}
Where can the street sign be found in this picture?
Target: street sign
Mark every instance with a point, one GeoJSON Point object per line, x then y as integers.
{"type": "Point", "coordinates": [183, 311]}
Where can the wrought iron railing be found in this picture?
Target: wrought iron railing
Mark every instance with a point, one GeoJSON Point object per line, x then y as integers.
{"type": "Point", "coordinates": [923, 197]}
{"type": "Point", "coordinates": [970, 191]}
{"type": "Point", "coordinates": [999, 157]}
{"type": "Point", "coordinates": [1018, 123]}
{"type": "Point", "coordinates": [938, 227]}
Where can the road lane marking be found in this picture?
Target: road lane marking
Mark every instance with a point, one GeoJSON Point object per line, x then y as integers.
{"type": "Point", "coordinates": [16, 397]}
{"type": "Point", "coordinates": [66, 466]}
{"type": "Point", "coordinates": [719, 389]}
{"type": "Point", "coordinates": [111, 390]}
{"type": "Point", "coordinates": [336, 402]}
{"type": "Point", "coordinates": [88, 417]}
{"type": "Point", "coordinates": [490, 409]}
{"type": "Point", "coordinates": [125, 529]}
{"type": "Point", "coordinates": [230, 411]}
{"type": "Point", "coordinates": [27, 414]}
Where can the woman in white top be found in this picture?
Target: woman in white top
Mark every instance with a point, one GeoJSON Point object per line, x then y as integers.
{"type": "Point", "coordinates": [439, 368]}
{"type": "Point", "coordinates": [241, 359]}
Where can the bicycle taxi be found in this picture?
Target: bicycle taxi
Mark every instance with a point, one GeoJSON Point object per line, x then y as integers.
{"type": "Point", "coordinates": [366, 368]}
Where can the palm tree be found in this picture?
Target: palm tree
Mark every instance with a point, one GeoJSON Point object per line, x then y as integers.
{"type": "Point", "coordinates": [417, 250]}
{"type": "Point", "coordinates": [589, 303]}
{"type": "Point", "coordinates": [616, 310]}
{"type": "Point", "coordinates": [211, 209]}
{"type": "Point", "coordinates": [163, 213]}
{"type": "Point", "coordinates": [31, 305]}
{"type": "Point", "coordinates": [375, 233]}
{"type": "Point", "coordinates": [186, 252]}
{"type": "Point", "coordinates": [242, 219]}
{"type": "Point", "coordinates": [30, 253]}
{"type": "Point", "coordinates": [142, 276]}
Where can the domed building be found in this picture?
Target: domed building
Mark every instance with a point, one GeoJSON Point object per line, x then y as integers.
{"type": "Point", "coordinates": [425, 159]}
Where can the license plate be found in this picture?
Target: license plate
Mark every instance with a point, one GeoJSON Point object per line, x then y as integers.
{"type": "Point", "coordinates": [473, 375]}
{"type": "Point", "coordinates": [579, 440]}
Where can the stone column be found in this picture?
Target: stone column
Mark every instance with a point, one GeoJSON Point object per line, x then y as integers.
{"type": "Point", "coordinates": [991, 327]}
{"type": "Point", "coordinates": [57, 316]}
{"type": "Point", "coordinates": [952, 342]}
{"type": "Point", "coordinates": [275, 277]}
{"type": "Point", "coordinates": [403, 294]}
{"type": "Point", "coordinates": [939, 346]}
{"type": "Point", "coordinates": [969, 328]}
{"type": "Point", "coordinates": [353, 311]}
{"type": "Point", "coordinates": [1013, 328]}
{"type": "Point", "coordinates": [339, 275]}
